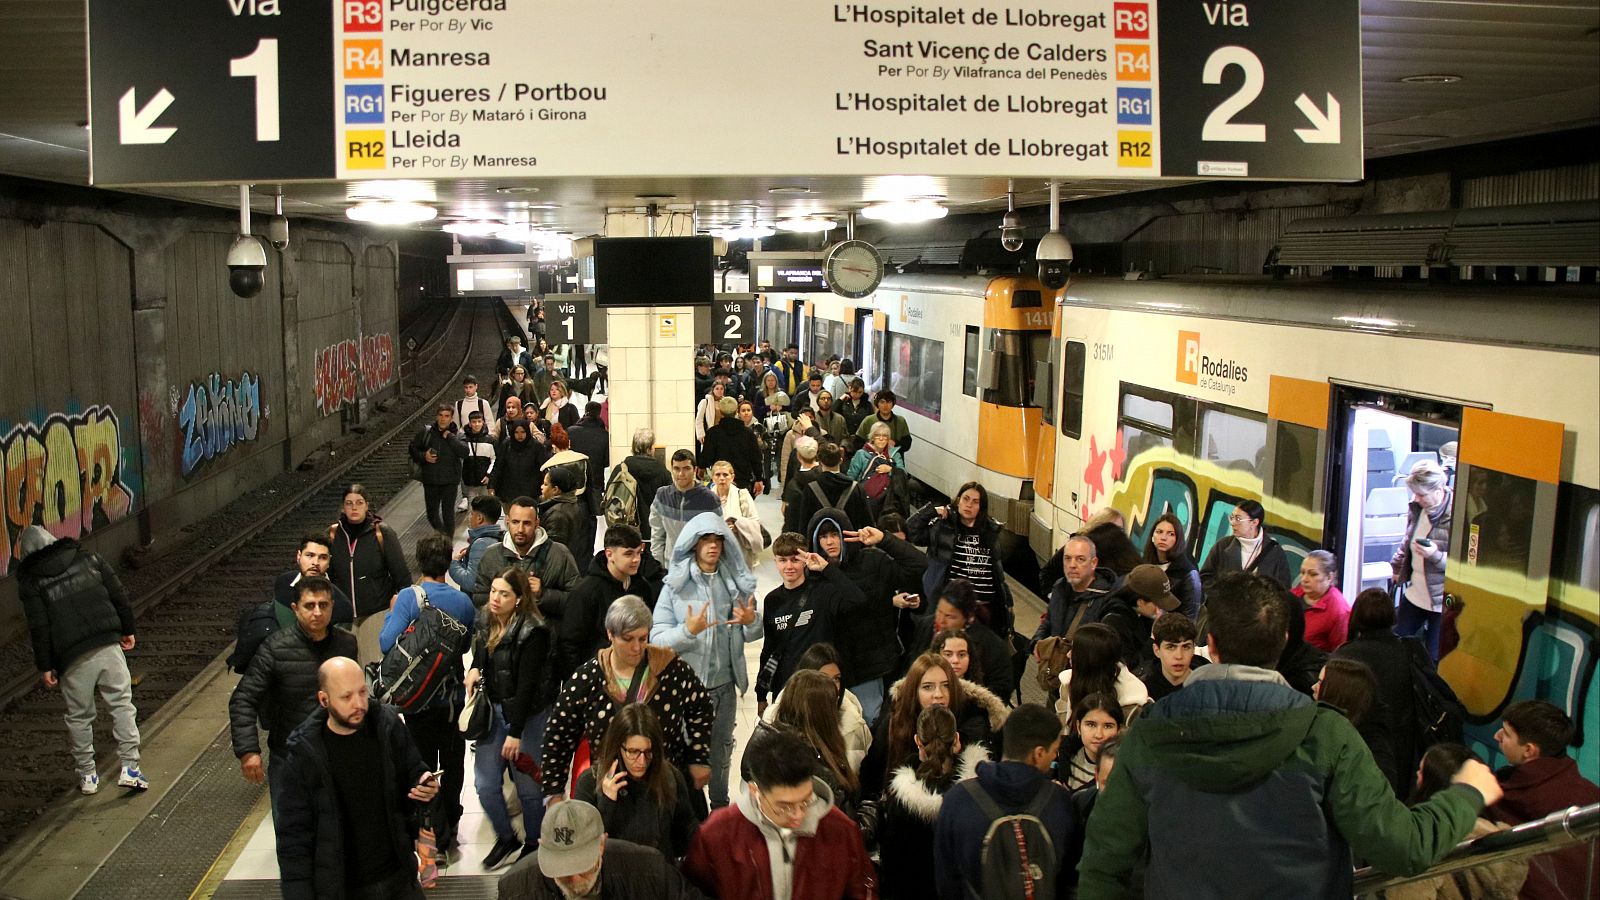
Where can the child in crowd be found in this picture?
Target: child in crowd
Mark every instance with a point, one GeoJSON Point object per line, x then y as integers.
{"type": "Point", "coordinates": [1172, 639]}
{"type": "Point", "coordinates": [1096, 719]}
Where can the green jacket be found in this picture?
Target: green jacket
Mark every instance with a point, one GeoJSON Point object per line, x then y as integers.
{"type": "Point", "coordinates": [1248, 788]}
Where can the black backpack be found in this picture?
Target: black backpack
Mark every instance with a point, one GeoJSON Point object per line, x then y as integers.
{"type": "Point", "coordinates": [1438, 713]}
{"type": "Point", "coordinates": [425, 658]}
{"type": "Point", "coordinates": [256, 622]}
{"type": "Point", "coordinates": [1018, 860]}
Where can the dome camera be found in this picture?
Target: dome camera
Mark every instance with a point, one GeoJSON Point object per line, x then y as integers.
{"type": "Point", "coordinates": [247, 266]}
{"type": "Point", "coordinates": [1055, 260]}
{"type": "Point", "coordinates": [278, 233]}
{"type": "Point", "coordinates": [1011, 232]}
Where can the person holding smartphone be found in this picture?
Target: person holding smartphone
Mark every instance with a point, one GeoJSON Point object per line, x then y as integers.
{"type": "Point", "coordinates": [641, 795]}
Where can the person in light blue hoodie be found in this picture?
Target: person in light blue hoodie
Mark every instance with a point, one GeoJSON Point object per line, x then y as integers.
{"type": "Point", "coordinates": [483, 531]}
{"type": "Point", "coordinates": [706, 614]}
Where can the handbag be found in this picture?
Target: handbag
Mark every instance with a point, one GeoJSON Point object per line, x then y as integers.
{"type": "Point", "coordinates": [475, 718]}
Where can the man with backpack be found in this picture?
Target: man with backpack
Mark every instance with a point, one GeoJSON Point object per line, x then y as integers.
{"type": "Point", "coordinates": [431, 696]}
{"type": "Point", "coordinates": [279, 689]}
{"type": "Point", "coordinates": [832, 490]}
{"type": "Point", "coordinates": [633, 486]}
{"type": "Point", "coordinates": [1005, 833]}
{"type": "Point", "coordinates": [310, 561]}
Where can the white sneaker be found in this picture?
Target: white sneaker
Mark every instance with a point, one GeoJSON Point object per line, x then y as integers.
{"type": "Point", "coordinates": [463, 503]}
{"type": "Point", "coordinates": [88, 782]}
{"type": "Point", "coordinates": [132, 779]}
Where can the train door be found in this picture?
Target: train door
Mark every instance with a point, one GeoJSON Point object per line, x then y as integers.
{"type": "Point", "coordinates": [865, 341]}
{"type": "Point", "coordinates": [1295, 474]}
{"type": "Point", "coordinates": [1379, 436]}
{"type": "Point", "coordinates": [1497, 583]}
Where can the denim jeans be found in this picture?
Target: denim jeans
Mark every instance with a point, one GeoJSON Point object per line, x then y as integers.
{"type": "Point", "coordinates": [105, 670]}
{"type": "Point", "coordinates": [724, 716]}
{"type": "Point", "coordinates": [1409, 619]}
{"type": "Point", "coordinates": [870, 693]}
{"type": "Point", "coordinates": [489, 770]}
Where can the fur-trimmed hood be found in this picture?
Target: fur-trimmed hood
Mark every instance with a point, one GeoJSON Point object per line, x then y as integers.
{"type": "Point", "coordinates": [993, 706]}
{"type": "Point", "coordinates": [923, 799]}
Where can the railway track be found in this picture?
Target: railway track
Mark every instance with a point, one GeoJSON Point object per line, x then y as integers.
{"type": "Point", "coordinates": [187, 603]}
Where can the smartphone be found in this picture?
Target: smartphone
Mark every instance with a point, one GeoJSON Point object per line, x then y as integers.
{"type": "Point", "coordinates": [1424, 543]}
{"type": "Point", "coordinates": [431, 777]}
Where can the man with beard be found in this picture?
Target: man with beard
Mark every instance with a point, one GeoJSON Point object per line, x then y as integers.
{"type": "Point", "coordinates": [353, 783]}
{"type": "Point", "coordinates": [576, 860]}
{"type": "Point", "coordinates": [310, 561]}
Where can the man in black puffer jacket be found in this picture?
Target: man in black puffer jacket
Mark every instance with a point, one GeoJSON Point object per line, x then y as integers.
{"type": "Point", "coordinates": [868, 639]}
{"type": "Point", "coordinates": [280, 687]}
{"type": "Point", "coordinates": [353, 780]}
{"type": "Point", "coordinates": [622, 568]}
{"type": "Point", "coordinates": [436, 453]}
{"type": "Point", "coordinates": [81, 625]}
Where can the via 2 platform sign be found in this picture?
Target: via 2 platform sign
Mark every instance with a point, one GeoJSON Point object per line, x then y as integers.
{"type": "Point", "coordinates": [195, 91]}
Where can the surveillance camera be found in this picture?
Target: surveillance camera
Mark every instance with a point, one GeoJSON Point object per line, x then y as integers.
{"type": "Point", "coordinates": [1055, 260]}
{"type": "Point", "coordinates": [247, 266]}
{"type": "Point", "coordinates": [1011, 232]}
{"type": "Point", "coordinates": [278, 233]}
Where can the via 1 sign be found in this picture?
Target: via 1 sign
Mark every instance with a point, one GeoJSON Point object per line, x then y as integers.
{"type": "Point", "coordinates": [567, 319]}
{"type": "Point", "coordinates": [733, 319]}
{"type": "Point", "coordinates": [193, 91]}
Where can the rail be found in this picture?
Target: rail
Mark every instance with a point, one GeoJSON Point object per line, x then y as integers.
{"type": "Point", "coordinates": [1562, 828]}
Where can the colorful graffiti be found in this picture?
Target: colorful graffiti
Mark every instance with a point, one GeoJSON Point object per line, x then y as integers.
{"type": "Point", "coordinates": [338, 367]}
{"type": "Point", "coordinates": [1518, 645]}
{"type": "Point", "coordinates": [65, 473]}
{"type": "Point", "coordinates": [218, 414]}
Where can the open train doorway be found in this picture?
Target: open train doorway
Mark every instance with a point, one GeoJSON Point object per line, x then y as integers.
{"type": "Point", "coordinates": [1382, 436]}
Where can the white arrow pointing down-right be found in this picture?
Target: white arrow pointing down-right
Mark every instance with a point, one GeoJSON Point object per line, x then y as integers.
{"type": "Point", "coordinates": [137, 126]}
{"type": "Point", "coordinates": [1324, 128]}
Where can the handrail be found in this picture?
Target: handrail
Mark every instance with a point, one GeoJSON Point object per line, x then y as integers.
{"type": "Point", "coordinates": [1561, 828]}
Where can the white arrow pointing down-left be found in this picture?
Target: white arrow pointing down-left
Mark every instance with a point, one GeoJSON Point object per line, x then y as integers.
{"type": "Point", "coordinates": [137, 126]}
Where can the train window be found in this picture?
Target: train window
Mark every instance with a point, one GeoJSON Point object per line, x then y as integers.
{"type": "Point", "coordinates": [1044, 382]}
{"type": "Point", "coordinates": [1233, 440]}
{"type": "Point", "coordinates": [1027, 299]}
{"type": "Point", "coordinates": [830, 338]}
{"type": "Point", "coordinates": [916, 373]}
{"type": "Point", "coordinates": [1147, 409]}
{"type": "Point", "coordinates": [775, 325]}
{"type": "Point", "coordinates": [1294, 467]}
{"type": "Point", "coordinates": [1500, 512]}
{"type": "Point", "coordinates": [1014, 369]}
{"type": "Point", "coordinates": [1072, 389]}
{"type": "Point", "coordinates": [1138, 440]}
{"type": "Point", "coordinates": [969, 369]}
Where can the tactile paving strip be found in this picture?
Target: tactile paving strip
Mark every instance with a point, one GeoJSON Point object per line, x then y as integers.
{"type": "Point", "coordinates": [169, 852]}
{"type": "Point", "coordinates": [467, 887]}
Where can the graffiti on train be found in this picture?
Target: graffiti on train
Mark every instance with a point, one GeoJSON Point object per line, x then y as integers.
{"type": "Point", "coordinates": [65, 473]}
{"type": "Point", "coordinates": [341, 369]}
{"type": "Point", "coordinates": [216, 415]}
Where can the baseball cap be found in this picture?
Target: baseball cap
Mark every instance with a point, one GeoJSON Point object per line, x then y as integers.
{"type": "Point", "coordinates": [569, 839]}
{"type": "Point", "coordinates": [1149, 582]}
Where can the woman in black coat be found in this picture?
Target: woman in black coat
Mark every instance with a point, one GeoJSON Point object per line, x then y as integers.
{"type": "Point", "coordinates": [912, 800]}
{"type": "Point", "coordinates": [1248, 549]}
{"type": "Point", "coordinates": [641, 795]}
{"type": "Point", "coordinates": [1168, 549]}
{"type": "Point", "coordinates": [1373, 641]}
{"type": "Point", "coordinates": [518, 460]}
{"type": "Point", "coordinates": [367, 562]}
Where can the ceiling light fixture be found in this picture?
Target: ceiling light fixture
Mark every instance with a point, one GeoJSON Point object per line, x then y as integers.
{"type": "Point", "coordinates": [474, 229]}
{"type": "Point", "coordinates": [1431, 79]}
{"type": "Point", "coordinates": [905, 211]}
{"type": "Point", "coordinates": [789, 189]}
{"type": "Point", "coordinates": [744, 232]}
{"type": "Point", "coordinates": [807, 224]}
{"type": "Point", "coordinates": [391, 212]}
{"type": "Point", "coordinates": [516, 189]}
{"type": "Point", "coordinates": [403, 190]}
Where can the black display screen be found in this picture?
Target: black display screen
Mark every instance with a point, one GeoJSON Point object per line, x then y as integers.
{"type": "Point", "coordinates": [662, 271]}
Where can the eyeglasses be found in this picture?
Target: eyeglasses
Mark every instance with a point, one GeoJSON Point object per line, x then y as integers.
{"type": "Point", "coordinates": [789, 810]}
{"type": "Point", "coordinates": [634, 753]}
{"type": "Point", "coordinates": [1239, 517]}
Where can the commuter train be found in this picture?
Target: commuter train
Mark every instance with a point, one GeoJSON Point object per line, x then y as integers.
{"type": "Point", "coordinates": [1315, 398]}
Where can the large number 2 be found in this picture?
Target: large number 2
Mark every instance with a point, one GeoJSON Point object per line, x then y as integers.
{"type": "Point", "coordinates": [262, 65]}
{"type": "Point", "coordinates": [1220, 125]}
{"type": "Point", "coordinates": [730, 324]}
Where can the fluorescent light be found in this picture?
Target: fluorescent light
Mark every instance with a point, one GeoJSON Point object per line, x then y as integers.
{"type": "Point", "coordinates": [744, 232]}
{"type": "Point", "coordinates": [475, 229]}
{"type": "Point", "coordinates": [389, 212]}
{"type": "Point", "coordinates": [807, 223]}
{"type": "Point", "coordinates": [392, 189]}
{"type": "Point", "coordinates": [905, 211]}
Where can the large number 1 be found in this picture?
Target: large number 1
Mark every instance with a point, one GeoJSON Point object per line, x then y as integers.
{"type": "Point", "coordinates": [262, 65]}
{"type": "Point", "coordinates": [1220, 125]}
{"type": "Point", "coordinates": [568, 322]}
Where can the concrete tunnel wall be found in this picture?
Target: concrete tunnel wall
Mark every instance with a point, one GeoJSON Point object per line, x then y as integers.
{"type": "Point", "coordinates": [138, 394]}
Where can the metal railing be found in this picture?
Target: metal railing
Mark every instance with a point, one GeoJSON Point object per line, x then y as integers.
{"type": "Point", "coordinates": [1562, 828]}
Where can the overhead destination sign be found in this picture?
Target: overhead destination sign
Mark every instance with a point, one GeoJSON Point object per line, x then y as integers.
{"type": "Point", "coordinates": [265, 90]}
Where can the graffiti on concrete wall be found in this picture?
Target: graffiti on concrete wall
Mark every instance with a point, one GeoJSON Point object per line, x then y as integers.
{"type": "Point", "coordinates": [218, 414]}
{"type": "Point", "coordinates": [341, 369]}
{"type": "Point", "coordinates": [65, 473]}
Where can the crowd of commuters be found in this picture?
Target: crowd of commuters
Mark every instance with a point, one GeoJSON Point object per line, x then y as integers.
{"type": "Point", "coordinates": [1208, 731]}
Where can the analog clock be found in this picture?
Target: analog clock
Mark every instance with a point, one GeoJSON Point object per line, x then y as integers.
{"type": "Point", "coordinates": [854, 269]}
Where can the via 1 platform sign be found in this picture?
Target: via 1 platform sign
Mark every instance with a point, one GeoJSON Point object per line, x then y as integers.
{"type": "Point", "coordinates": [456, 89]}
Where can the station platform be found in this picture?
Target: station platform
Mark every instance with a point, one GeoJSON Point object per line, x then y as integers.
{"type": "Point", "coordinates": [202, 830]}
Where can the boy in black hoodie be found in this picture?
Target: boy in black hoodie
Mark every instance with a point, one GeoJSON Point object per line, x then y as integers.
{"type": "Point", "coordinates": [800, 612]}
